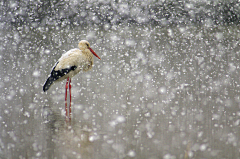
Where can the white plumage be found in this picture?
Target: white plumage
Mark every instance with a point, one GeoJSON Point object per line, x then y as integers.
{"type": "Point", "coordinates": [71, 63]}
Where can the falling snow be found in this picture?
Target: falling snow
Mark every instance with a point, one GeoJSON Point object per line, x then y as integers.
{"type": "Point", "coordinates": [167, 85]}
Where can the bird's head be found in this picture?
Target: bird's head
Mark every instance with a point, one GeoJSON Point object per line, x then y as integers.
{"type": "Point", "coordinates": [84, 44]}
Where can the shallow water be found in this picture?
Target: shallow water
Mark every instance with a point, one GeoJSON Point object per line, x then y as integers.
{"type": "Point", "coordinates": [170, 92]}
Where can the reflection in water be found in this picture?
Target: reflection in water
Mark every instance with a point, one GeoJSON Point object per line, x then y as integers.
{"type": "Point", "coordinates": [68, 140]}
{"type": "Point", "coordinates": [156, 93]}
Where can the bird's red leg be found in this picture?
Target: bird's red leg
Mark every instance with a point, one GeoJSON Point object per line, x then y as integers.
{"type": "Point", "coordinates": [66, 107]}
{"type": "Point", "coordinates": [70, 95]}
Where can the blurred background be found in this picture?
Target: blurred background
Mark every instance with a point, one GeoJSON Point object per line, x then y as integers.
{"type": "Point", "coordinates": [167, 85]}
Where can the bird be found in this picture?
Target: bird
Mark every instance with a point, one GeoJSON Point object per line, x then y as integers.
{"type": "Point", "coordinates": [68, 65]}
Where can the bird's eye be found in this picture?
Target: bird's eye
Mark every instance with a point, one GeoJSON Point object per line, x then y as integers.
{"type": "Point", "coordinates": [87, 45]}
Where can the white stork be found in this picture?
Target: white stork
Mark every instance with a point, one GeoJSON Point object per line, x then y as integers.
{"type": "Point", "coordinates": [71, 63]}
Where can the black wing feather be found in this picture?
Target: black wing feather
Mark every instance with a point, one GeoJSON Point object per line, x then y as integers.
{"type": "Point", "coordinates": [55, 75]}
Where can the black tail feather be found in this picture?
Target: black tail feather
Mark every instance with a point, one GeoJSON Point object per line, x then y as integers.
{"type": "Point", "coordinates": [48, 83]}
{"type": "Point", "coordinates": [55, 75]}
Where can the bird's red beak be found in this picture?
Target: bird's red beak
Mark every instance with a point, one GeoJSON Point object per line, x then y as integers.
{"type": "Point", "coordinates": [94, 53]}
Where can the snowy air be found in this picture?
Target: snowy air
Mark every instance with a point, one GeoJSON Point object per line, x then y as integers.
{"type": "Point", "coordinates": [121, 79]}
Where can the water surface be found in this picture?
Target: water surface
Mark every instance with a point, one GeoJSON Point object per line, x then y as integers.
{"type": "Point", "coordinates": [170, 92]}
